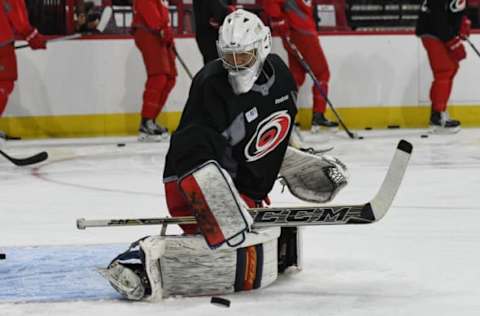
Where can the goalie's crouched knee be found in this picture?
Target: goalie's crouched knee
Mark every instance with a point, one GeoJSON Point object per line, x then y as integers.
{"type": "Point", "coordinates": [162, 266]}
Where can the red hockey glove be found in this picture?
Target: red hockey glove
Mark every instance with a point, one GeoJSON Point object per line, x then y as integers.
{"type": "Point", "coordinates": [167, 35]}
{"type": "Point", "coordinates": [465, 27]}
{"type": "Point", "coordinates": [456, 49]}
{"type": "Point", "coordinates": [36, 40]}
{"type": "Point", "coordinates": [280, 27]}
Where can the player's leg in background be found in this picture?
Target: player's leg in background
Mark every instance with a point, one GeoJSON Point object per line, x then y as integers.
{"type": "Point", "coordinates": [444, 69]}
{"type": "Point", "coordinates": [312, 52]}
{"type": "Point", "coordinates": [8, 75]}
{"type": "Point", "coordinates": [158, 67]}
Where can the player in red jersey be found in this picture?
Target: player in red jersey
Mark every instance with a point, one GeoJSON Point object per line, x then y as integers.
{"type": "Point", "coordinates": [294, 19]}
{"type": "Point", "coordinates": [13, 22]}
{"type": "Point", "coordinates": [154, 38]}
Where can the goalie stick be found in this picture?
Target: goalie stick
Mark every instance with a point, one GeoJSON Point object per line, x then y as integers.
{"type": "Point", "coordinates": [21, 162]}
{"type": "Point", "coordinates": [366, 213]}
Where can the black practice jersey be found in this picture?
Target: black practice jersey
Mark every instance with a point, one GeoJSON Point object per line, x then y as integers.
{"type": "Point", "coordinates": [247, 134]}
{"type": "Point", "coordinates": [441, 18]}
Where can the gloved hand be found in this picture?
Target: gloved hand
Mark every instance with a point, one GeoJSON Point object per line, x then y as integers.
{"type": "Point", "coordinates": [456, 49]}
{"type": "Point", "coordinates": [465, 27]}
{"type": "Point", "coordinates": [36, 40]}
{"type": "Point", "coordinates": [251, 203]}
{"type": "Point", "coordinates": [214, 23]}
{"type": "Point", "coordinates": [280, 27]}
{"type": "Point", "coordinates": [167, 35]}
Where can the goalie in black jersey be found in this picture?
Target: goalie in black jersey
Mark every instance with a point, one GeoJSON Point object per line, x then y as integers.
{"type": "Point", "coordinates": [230, 147]}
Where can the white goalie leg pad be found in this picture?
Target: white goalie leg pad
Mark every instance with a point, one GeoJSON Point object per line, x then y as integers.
{"type": "Point", "coordinates": [313, 178]}
{"type": "Point", "coordinates": [220, 212]}
{"type": "Point", "coordinates": [186, 266]}
{"type": "Point", "coordinates": [134, 273]}
{"type": "Point", "coordinates": [190, 268]}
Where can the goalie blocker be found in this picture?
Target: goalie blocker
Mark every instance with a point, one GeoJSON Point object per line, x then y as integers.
{"type": "Point", "coordinates": [158, 267]}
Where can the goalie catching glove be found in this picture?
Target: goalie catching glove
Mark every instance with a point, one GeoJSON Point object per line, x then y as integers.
{"type": "Point", "coordinates": [311, 177]}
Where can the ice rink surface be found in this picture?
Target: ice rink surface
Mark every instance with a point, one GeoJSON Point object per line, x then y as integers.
{"type": "Point", "coordinates": [423, 258]}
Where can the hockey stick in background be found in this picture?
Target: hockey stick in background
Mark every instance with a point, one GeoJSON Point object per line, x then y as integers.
{"type": "Point", "coordinates": [21, 162]}
{"type": "Point", "coordinates": [182, 62]}
{"type": "Point", "coordinates": [369, 212]}
{"type": "Point", "coordinates": [102, 24]}
{"type": "Point", "coordinates": [472, 45]}
{"type": "Point", "coordinates": [293, 49]}
{"type": "Point", "coordinates": [56, 39]}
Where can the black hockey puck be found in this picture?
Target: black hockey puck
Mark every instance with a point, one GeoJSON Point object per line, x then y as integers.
{"type": "Point", "coordinates": [120, 145]}
{"type": "Point", "coordinates": [368, 128]}
{"type": "Point", "coordinates": [424, 136]}
{"type": "Point", "coordinates": [393, 126]}
{"type": "Point", "coordinates": [3, 256]}
{"type": "Point", "coordinates": [220, 301]}
{"type": "Point", "coordinates": [360, 137]}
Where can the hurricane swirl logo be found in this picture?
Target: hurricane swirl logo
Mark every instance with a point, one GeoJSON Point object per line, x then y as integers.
{"type": "Point", "coordinates": [269, 134]}
{"type": "Point", "coordinates": [458, 5]}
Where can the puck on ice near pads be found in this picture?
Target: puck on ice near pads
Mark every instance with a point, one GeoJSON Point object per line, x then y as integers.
{"type": "Point", "coordinates": [424, 136]}
{"type": "Point", "coordinates": [3, 256]}
{"type": "Point", "coordinates": [220, 301]}
{"type": "Point", "coordinates": [120, 145]}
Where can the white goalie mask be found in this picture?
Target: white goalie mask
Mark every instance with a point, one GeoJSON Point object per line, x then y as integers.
{"type": "Point", "coordinates": [244, 43]}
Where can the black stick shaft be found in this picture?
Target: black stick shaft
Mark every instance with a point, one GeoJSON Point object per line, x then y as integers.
{"type": "Point", "coordinates": [182, 62]}
{"type": "Point", "coordinates": [472, 45]}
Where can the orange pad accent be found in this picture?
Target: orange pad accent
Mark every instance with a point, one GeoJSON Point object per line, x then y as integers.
{"type": "Point", "coordinates": [250, 268]}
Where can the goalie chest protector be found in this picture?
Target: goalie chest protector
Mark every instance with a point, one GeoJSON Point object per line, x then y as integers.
{"type": "Point", "coordinates": [247, 134]}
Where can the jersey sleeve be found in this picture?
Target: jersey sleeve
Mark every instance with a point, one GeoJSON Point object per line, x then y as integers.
{"type": "Point", "coordinates": [199, 136]}
{"type": "Point", "coordinates": [17, 15]}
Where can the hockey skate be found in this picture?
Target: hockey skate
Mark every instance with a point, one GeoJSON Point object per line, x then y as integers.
{"type": "Point", "coordinates": [440, 123]}
{"type": "Point", "coordinates": [150, 131]}
{"type": "Point", "coordinates": [320, 121]}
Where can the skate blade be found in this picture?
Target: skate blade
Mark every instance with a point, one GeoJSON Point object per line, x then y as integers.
{"type": "Point", "coordinates": [146, 138]}
{"type": "Point", "coordinates": [444, 130]}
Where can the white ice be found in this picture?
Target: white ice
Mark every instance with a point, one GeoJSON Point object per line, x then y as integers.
{"type": "Point", "coordinates": [423, 258]}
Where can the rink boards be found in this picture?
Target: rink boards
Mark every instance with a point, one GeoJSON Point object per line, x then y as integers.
{"type": "Point", "coordinates": [94, 87]}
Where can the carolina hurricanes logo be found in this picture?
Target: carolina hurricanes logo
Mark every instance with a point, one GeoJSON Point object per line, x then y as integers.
{"type": "Point", "coordinates": [269, 134]}
{"type": "Point", "coordinates": [458, 5]}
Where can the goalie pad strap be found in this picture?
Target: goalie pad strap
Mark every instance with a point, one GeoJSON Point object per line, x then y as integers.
{"type": "Point", "coordinates": [218, 208]}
